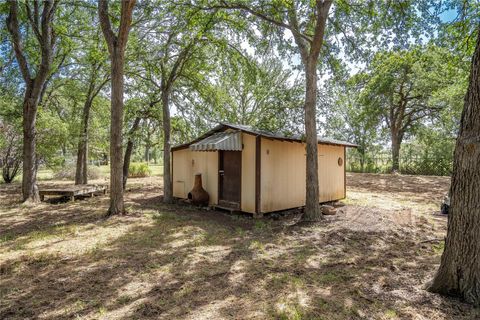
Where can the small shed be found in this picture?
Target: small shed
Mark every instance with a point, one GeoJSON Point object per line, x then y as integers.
{"type": "Point", "coordinates": [256, 171]}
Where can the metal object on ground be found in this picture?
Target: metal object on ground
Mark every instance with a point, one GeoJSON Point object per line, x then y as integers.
{"type": "Point", "coordinates": [198, 195]}
{"type": "Point", "coordinates": [444, 208]}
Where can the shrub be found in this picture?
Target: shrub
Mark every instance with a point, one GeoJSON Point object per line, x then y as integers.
{"type": "Point", "coordinates": [139, 170]}
{"type": "Point", "coordinates": [10, 152]}
{"type": "Point", "coordinates": [68, 172]}
{"type": "Point", "coordinates": [11, 168]}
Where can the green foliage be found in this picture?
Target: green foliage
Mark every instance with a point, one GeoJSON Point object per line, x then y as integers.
{"type": "Point", "coordinates": [344, 118]}
{"type": "Point", "coordinates": [418, 75]}
{"type": "Point", "coordinates": [10, 152]}
{"type": "Point", "coordinates": [416, 95]}
{"type": "Point", "coordinates": [237, 67]}
{"type": "Point", "coordinates": [139, 170]}
{"type": "Point", "coordinates": [430, 152]}
{"type": "Point", "coordinates": [52, 134]}
{"type": "Point", "coordinates": [261, 94]}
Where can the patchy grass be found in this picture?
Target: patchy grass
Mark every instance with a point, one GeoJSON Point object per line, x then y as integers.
{"type": "Point", "coordinates": [438, 248]}
{"type": "Point", "coordinates": [391, 314]}
{"type": "Point", "coordinates": [370, 261]}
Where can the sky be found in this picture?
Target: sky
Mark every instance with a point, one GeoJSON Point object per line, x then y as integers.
{"type": "Point", "coordinates": [448, 15]}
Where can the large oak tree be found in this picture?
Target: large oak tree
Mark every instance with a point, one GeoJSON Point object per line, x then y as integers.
{"type": "Point", "coordinates": [116, 47]}
{"type": "Point", "coordinates": [399, 87]}
{"type": "Point", "coordinates": [459, 272]}
{"type": "Point", "coordinates": [35, 74]}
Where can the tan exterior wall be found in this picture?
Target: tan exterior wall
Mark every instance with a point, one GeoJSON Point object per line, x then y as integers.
{"type": "Point", "coordinates": [283, 174]}
{"type": "Point", "coordinates": [248, 173]}
{"type": "Point", "coordinates": [186, 164]}
{"type": "Point", "coordinates": [282, 180]}
{"type": "Point", "coordinates": [330, 175]}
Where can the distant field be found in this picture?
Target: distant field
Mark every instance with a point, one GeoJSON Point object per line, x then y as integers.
{"type": "Point", "coordinates": [157, 170]}
{"type": "Point", "coordinates": [48, 174]}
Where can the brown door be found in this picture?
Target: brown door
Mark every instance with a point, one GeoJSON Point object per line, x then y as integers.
{"type": "Point", "coordinates": [229, 175]}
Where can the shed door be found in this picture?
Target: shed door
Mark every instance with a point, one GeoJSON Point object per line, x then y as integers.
{"type": "Point", "coordinates": [229, 175]}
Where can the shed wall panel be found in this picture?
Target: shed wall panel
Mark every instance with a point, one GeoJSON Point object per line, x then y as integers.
{"type": "Point", "coordinates": [186, 164]}
{"type": "Point", "coordinates": [248, 173]}
{"type": "Point", "coordinates": [283, 170]}
{"type": "Point", "coordinates": [330, 173]}
{"type": "Point", "coordinates": [180, 173]}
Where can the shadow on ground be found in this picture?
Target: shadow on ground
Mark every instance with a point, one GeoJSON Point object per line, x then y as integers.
{"type": "Point", "coordinates": [178, 262]}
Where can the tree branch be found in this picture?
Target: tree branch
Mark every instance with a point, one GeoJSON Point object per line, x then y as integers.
{"type": "Point", "coordinates": [13, 29]}
{"type": "Point", "coordinates": [301, 43]}
{"type": "Point", "coordinates": [258, 14]}
{"type": "Point", "coordinates": [110, 37]}
{"type": "Point", "coordinates": [33, 18]}
{"type": "Point", "coordinates": [323, 7]}
{"type": "Point", "coordinates": [47, 41]}
{"type": "Point", "coordinates": [125, 22]}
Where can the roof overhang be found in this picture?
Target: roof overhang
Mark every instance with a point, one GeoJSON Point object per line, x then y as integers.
{"type": "Point", "coordinates": [227, 127]}
{"type": "Point", "coordinates": [228, 140]}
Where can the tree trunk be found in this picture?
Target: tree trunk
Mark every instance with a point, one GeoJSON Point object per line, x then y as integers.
{"type": "Point", "coordinates": [147, 148]}
{"type": "Point", "coordinates": [361, 151]}
{"type": "Point", "coordinates": [167, 179]}
{"type": "Point", "coordinates": [33, 86]}
{"type": "Point", "coordinates": [312, 206]}
{"type": "Point", "coordinates": [81, 174]}
{"type": "Point", "coordinates": [459, 272]}
{"type": "Point", "coordinates": [116, 128]}
{"type": "Point", "coordinates": [129, 150]}
{"type": "Point", "coordinates": [29, 178]}
{"type": "Point", "coordinates": [396, 142]}
{"type": "Point", "coordinates": [116, 48]}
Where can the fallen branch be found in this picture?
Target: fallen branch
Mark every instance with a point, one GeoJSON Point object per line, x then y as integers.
{"type": "Point", "coordinates": [432, 240]}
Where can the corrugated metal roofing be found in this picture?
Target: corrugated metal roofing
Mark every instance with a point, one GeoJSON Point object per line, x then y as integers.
{"type": "Point", "coordinates": [227, 140]}
{"type": "Point", "coordinates": [280, 136]}
{"type": "Point", "coordinates": [222, 127]}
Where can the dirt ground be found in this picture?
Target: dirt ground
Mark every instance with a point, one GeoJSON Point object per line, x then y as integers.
{"type": "Point", "coordinates": [370, 261]}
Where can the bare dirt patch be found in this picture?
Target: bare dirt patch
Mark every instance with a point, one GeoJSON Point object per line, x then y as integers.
{"type": "Point", "coordinates": [65, 260]}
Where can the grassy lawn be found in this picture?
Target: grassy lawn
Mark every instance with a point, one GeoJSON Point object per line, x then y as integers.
{"type": "Point", "coordinates": [370, 261]}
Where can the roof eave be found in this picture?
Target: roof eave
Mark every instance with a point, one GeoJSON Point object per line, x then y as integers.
{"type": "Point", "coordinates": [222, 126]}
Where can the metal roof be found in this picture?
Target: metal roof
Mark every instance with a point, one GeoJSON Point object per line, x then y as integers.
{"type": "Point", "coordinates": [275, 135]}
{"type": "Point", "coordinates": [223, 127]}
{"type": "Point", "coordinates": [227, 140]}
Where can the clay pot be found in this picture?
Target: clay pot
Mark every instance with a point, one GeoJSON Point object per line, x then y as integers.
{"type": "Point", "coordinates": [198, 196]}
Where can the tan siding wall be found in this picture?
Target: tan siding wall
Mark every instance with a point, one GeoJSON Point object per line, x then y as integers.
{"type": "Point", "coordinates": [180, 173]}
{"type": "Point", "coordinates": [186, 164]}
{"type": "Point", "coordinates": [248, 173]}
{"type": "Point", "coordinates": [283, 174]}
{"type": "Point", "coordinates": [330, 174]}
